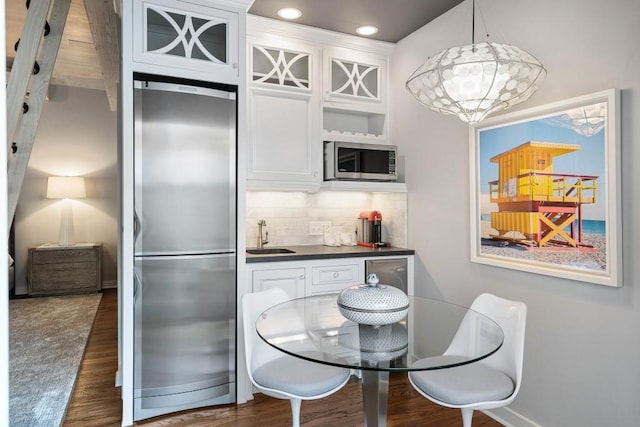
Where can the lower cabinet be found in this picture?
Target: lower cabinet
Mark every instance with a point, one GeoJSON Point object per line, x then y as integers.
{"type": "Point", "coordinates": [314, 277]}
{"type": "Point", "coordinates": [290, 279]}
{"type": "Point", "coordinates": [334, 278]}
{"type": "Point", "coordinates": [306, 278]}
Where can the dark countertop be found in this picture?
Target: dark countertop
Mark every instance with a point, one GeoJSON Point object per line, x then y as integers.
{"type": "Point", "coordinates": [308, 252]}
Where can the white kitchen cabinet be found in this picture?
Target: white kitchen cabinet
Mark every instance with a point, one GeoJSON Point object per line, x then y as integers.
{"type": "Point", "coordinates": [280, 67]}
{"type": "Point", "coordinates": [354, 105]}
{"type": "Point", "coordinates": [307, 86]}
{"type": "Point", "coordinates": [304, 278]}
{"type": "Point", "coordinates": [291, 280]}
{"type": "Point", "coordinates": [354, 79]}
{"type": "Point", "coordinates": [193, 36]}
{"type": "Point", "coordinates": [283, 152]}
{"type": "Point", "coordinates": [334, 278]}
{"type": "Point", "coordinates": [319, 276]}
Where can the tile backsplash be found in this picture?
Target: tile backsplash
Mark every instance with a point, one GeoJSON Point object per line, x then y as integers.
{"type": "Point", "coordinates": [288, 215]}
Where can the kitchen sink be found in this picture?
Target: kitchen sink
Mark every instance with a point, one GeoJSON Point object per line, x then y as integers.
{"type": "Point", "coordinates": [269, 251]}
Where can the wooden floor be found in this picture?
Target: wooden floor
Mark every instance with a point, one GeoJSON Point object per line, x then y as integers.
{"type": "Point", "coordinates": [96, 402]}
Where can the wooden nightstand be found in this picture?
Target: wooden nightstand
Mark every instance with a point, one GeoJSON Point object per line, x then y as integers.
{"type": "Point", "coordinates": [56, 270]}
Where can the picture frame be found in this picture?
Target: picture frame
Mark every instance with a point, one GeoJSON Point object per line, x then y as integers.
{"type": "Point", "coordinates": [545, 190]}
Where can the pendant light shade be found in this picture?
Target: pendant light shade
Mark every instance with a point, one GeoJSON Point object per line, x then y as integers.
{"type": "Point", "coordinates": [476, 80]}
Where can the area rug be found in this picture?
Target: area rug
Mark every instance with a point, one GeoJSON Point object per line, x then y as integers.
{"type": "Point", "coordinates": [47, 338]}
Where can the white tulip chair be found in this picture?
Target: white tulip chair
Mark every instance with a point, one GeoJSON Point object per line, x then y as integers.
{"type": "Point", "coordinates": [278, 374]}
{"type": "Point", "coordinates": [490, 383]}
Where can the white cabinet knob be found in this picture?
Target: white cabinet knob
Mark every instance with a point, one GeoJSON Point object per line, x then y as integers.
{"type": "Point", "coordinates": [336, 275]}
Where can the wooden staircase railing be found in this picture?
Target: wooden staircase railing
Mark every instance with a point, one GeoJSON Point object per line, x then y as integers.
{"type": "Point", "coordinates": [21, 127]}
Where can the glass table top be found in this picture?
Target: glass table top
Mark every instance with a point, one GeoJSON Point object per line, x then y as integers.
{"type": "Point", "coordinates": [314, 329]}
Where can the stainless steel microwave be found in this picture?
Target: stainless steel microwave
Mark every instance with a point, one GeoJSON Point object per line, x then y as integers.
{"type": "Point", "coordinates": [359, 161]}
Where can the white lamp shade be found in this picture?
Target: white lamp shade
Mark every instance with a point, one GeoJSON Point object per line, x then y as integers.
{"type": "Point", "coordinates": [476, 80]}
{"type": "Point", "coordinates": [66, 187]}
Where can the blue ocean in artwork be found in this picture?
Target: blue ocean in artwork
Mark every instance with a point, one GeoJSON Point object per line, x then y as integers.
{"type": "Point", "coordinates": [592, 226]}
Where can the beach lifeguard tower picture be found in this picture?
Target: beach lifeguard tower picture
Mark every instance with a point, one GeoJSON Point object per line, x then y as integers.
{"type": "Point", "coordinates": [537, 206]}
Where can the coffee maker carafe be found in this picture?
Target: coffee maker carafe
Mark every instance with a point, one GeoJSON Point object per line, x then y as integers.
{"type": "Point", "coordinates": [370, 229]}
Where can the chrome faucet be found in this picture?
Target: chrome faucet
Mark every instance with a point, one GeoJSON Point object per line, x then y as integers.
{"type": "Point", "coordinates": [261, 241]}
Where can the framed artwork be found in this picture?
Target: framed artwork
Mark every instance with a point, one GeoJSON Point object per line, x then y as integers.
{"type": "Point", "coordinates": [545, 190]}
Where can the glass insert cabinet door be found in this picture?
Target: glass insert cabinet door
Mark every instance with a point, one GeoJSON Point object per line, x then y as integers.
{"type": "Point", "coordinates": [195, 37]}
{"type": "Point", "coordinates": [280, 67]}
{"type": "Point", "coordinates": [355, 77]}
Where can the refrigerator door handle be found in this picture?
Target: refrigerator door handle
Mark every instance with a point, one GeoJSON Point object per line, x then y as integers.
{"type": "Point", "coordinates": [137, 226]}
{"type": "Point", "coordinates": [184, 88]}
{"type": "Point", "coordinates": [158, 256]}
{"type": "Point", "coordinates": [137, 286]}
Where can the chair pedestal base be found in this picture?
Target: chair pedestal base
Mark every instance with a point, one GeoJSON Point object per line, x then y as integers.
{"type": "Point", "coordinates": [375, 391]}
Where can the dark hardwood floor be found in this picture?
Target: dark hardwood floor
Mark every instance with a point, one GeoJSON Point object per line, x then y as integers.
{"type": "Point", "coordinates": [96, 402]}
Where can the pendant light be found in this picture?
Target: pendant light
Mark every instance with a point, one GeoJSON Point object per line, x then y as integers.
{"type": "Point", "coordinates": [476, 80]}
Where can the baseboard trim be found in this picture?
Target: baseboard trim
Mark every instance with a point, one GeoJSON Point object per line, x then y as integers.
{"type": "Point", "coordinates": [109, 284]}
{"type": "Point", "coordinates": [118, 381]}
{"type": "Point", "coordinates": [510, 418]}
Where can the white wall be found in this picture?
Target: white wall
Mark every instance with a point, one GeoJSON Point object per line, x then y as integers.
{"type": "Point", "coordinates": [76, 136]}
{"type": "Point", "coordinates": [582, 362]}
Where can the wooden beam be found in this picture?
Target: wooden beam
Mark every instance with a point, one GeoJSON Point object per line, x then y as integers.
{"type": "Point", "coordinates": [23, 64]}
{"type": "Point", "coordinates": [103, 22]}
{"type": "Point", "coordinates": [19, 161]}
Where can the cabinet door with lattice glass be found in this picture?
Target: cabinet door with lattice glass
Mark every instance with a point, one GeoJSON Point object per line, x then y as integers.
{"type": "Point", "coordinates": [191, 37]}
{"type": "Point", "coordinates": [280, 68]}
{"type": "Point", "coordinates": [355, 78]}
{"type": "Point", "coordinates": [283, 137]}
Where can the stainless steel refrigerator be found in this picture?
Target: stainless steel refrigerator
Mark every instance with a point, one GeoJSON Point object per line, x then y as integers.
{"type": "Point", "coordinates": [185, 247]}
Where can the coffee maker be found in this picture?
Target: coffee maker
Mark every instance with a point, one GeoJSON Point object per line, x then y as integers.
{"type": "Point", "coordinates": [370, 229]}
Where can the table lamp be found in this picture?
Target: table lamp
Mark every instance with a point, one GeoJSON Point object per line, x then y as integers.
{"type": "Point", "coordinates": [66, 188]}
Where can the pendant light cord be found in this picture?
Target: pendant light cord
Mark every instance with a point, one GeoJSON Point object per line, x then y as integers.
{"type": "Point", "coordinates": [473, 22]}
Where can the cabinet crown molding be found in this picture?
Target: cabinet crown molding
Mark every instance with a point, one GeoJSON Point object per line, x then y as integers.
{"type": "Point", "coordinates": [239, 5]}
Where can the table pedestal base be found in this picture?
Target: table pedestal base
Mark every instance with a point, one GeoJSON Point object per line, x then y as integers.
{"type": "Point", "coordinates": [375, 391]}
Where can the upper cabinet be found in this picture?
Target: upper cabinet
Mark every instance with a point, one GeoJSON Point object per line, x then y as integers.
{"type": "Point", "coordinates": [282, 149]}
{"type": "Point", "coordinates": [307, 86]}
{"type": "Point", "coordinates": [354, 80]}
{"type": "Point", "coordinates": [354, 105]}
{"type": "Point", "coordinates": [280, 68]}
{"type": "Point", "coordinates": [199, 38]}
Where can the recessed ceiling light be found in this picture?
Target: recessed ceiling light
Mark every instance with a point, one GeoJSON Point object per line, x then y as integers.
{"type": "Point", "coordinates": [289, 13]}
{"type": "Point", "coordinates": [367, 30]}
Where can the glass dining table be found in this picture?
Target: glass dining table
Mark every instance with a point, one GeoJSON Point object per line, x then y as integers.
{"type": "Point", "coordinates": [313, 328]}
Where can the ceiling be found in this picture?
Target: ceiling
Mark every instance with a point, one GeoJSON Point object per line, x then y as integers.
{"type": "Point", "coordinates": [395, 19]}
{"type": "Point", "coordinates": [78, 63]}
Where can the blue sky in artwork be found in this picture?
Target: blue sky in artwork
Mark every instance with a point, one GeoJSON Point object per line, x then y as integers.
{"type": "Point", "coordinates": [589, 160]}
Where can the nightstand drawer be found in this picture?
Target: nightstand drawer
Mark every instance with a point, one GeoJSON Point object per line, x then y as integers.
{"type": "Point", "coordinates": [66, 277]}
{"type": "Point", "coordinates": [55, 256]}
